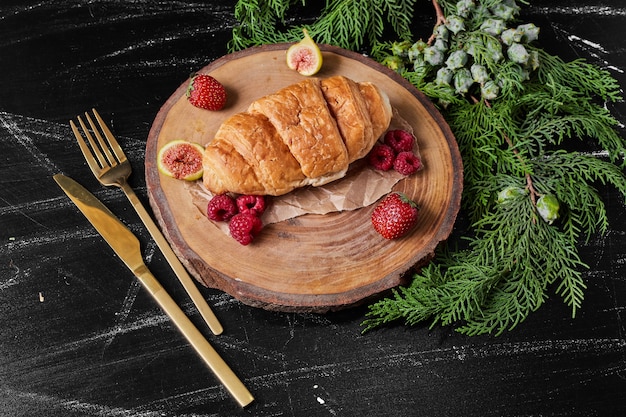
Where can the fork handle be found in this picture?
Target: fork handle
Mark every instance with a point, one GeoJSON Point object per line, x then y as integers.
{"type": "Point", "coordinates": [180, 271]}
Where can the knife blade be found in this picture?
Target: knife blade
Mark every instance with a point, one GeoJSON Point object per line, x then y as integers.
{"type": "Point", "coordinates": [126, 245]}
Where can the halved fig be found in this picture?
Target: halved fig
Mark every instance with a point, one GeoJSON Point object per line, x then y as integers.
{"type": "Point", "coordinates": [181, 159]}
{"type": "Point", "coordinates": [305, 56]}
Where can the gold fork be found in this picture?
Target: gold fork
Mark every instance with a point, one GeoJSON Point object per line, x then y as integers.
{"type": "Point", "coordinates": [111, 167]}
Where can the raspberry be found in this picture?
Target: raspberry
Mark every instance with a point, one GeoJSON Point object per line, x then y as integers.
{"type": "Point", "coordinates": [381, 157]}
{"type": "Point", "coordinates": [221, 208]}
{"type": "Point", "coordinates": [244, 227]}
{"type": "Point", "coordinates": [254, 204]}
{"type": "Point", "coordinates": [407, 163]}
{"type": "Point", "coordinates": [399, 140]}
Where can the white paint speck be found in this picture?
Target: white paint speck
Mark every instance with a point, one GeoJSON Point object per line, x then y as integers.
{"type": "Point", "coordinates": [587, 42]}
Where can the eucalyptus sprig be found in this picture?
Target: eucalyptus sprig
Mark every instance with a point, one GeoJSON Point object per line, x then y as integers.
{"type": "Point", "coordinates": [514, 109]}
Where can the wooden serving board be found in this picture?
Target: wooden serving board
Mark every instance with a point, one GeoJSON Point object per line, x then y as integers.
{"type": "Point", "coordinates": [312, 263]}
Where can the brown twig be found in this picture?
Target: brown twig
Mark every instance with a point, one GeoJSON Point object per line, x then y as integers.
{"type": "Point", "coordinates": [441, 20]}
{"type": "Point", "coordinates": [529, 181]}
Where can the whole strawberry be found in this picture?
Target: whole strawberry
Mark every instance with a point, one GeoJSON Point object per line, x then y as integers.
{"type": "Point", "coordinates": [206, 92]}
{"type": "Point", "coordinates": [395, 216]}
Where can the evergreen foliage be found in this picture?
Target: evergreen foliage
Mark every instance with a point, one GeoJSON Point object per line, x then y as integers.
{"type": "Point", "coordinates": [514, 110]}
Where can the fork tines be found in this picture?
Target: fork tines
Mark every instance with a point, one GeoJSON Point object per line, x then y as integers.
{"type": "Point", "coordinates": [99, 148]}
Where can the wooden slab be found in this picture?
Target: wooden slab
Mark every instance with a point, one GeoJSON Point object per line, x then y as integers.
{"type": "Point", "coordinates": [314, 263]}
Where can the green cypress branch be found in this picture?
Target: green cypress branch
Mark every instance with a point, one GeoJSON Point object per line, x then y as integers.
{"type": "Point", "coordinates": [530, 202]}
{"type": "Point", "coordinates": [349, 24]}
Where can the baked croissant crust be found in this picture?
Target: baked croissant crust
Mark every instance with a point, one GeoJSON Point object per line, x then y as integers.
{"type": "Point", "coordinates": [304, 134]}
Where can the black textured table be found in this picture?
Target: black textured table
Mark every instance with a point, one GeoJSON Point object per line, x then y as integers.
{"type": "Point", "coordinates": [80, 337]}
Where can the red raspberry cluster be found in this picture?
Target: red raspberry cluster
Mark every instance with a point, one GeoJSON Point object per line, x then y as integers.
{"type": "Point", "coordinates": [395, 152]}
{"type": "Point", "coordinates": [242, 212]}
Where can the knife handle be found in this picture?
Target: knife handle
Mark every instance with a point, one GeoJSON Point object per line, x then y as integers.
{"type": "Point", "coordinates": [215, 362]}
{"type": "Point", "coordinates": [180, 271]}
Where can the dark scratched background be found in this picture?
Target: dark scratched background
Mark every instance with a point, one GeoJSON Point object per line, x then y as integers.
{"type": "Point", "coordinates": [79, 337]}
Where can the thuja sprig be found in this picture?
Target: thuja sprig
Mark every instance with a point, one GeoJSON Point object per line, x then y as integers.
{"type": "Point", "coordinates": [514, 258]}
{"type": "Point", "coordinates": [489, 287]}
{"type": "Point", "coordinates": [350, 24]}
{"type": "Point", "coordinates": [513, 108]}
{"type": "Point", "coordinates": [530, 202]}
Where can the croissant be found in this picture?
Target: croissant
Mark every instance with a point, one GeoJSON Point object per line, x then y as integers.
{"type": "Point", "coordinates": [304, 134]}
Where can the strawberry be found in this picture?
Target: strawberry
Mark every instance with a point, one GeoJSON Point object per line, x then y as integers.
{"type": "Point", "coordinates": [395, 215]}
{"type": "Point", "coordinates": [407, 163]}
{"type": "Point", "coordinates": [244, 227]}
{"type": "Point", "coordinates": [221, 208]}
{"type": "Point", "coordinates": [381, 157]}
{"type": "Point", "coordinates": [206, 92]}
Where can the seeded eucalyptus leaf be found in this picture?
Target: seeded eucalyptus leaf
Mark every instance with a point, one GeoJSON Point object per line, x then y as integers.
{"type": "Point", "coordinates": [434, 56]}
{"type": "Point", "coordinates": [518, 53]}
{"type": "Point", "coordinates": [493, 27]}
{"type": "Point", "coordinates": [455, 24]}
{"type": "Point", "coordinates": [529, 32]}
{"type": "Point", "coordinates": [548, 208]}
{"type": "Point", "coordinates": [489, 90]}
{"type": "Point", "coordinates": [479, 73]}
{"type": "Point", "coordinates": [462, 80]}
{"type": "Point", "coordinates": [511, 36]}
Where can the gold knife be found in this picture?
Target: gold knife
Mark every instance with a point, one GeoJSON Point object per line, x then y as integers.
{"type": "Point", "coordinates": [126, 246]}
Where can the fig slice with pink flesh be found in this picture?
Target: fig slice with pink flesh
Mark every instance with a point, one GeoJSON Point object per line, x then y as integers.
{"type": "Point", "coordinates": [181, 159]}
{"type": "Point", "coordinates": [305, 56]}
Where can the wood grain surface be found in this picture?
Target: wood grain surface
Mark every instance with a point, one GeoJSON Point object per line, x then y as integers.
{"type": "Point", "coordinates": [79, 337]}
{"type": "Point", "coordinates": [312, 263]}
